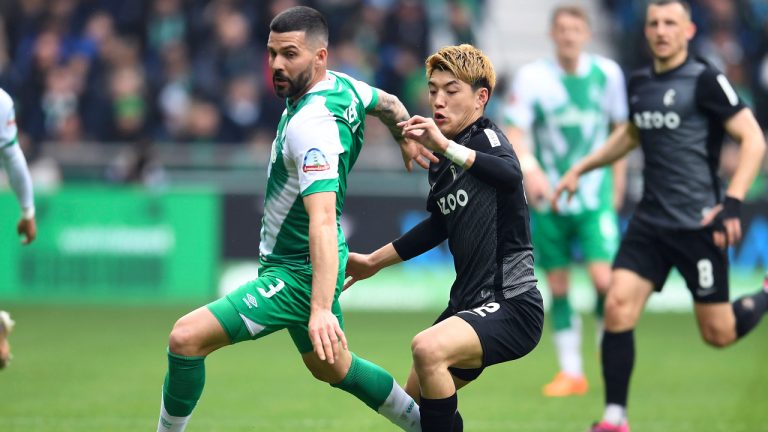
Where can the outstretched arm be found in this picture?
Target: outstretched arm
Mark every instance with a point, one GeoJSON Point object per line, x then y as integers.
{"type": "Point", "coordinates": [391, 111]}
{"type": "Point", "coordinates": [15, 164]}
{"type": "Point", "coordinates": [621, 141]}
{"type": "Point", "coordinates": [427, 234]}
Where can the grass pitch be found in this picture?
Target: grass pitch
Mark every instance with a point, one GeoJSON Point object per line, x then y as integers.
{"type": "Point", "coordinates": [101, 369]}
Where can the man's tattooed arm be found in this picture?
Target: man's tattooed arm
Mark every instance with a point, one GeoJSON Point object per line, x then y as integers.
{"type": "Point", "coordinates": [390, 111]}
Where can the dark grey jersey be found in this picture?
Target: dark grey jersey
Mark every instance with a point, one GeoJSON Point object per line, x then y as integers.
{"type": "Point", "coordinates": [485, 220]}
{"type": "Point", "coordinates": [680, 115]}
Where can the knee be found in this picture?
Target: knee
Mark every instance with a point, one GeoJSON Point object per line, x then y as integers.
{"type": "Point", "coordinates": [326, 372]}
{"type": "Point", "coordinates": [183, 340]}
{"type": "Point", "coordinates": [426, 352]}
{"type": "Point", "coordinates": [620, 313]}
{"type": "Point", "coordinates": [716, 336]}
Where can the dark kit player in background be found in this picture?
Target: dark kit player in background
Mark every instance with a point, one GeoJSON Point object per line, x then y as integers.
{"type": "Point", "coordinates": [681, 108]}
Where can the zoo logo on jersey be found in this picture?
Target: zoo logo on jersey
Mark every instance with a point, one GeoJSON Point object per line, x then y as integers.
{"type": "Point", "coordinates": [315, 160]}
{"type": "Point", "coordinates": [658, 119]}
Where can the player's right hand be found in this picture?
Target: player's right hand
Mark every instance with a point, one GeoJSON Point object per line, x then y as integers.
{"type": "Point", "coordinates": [327, 337]}
{"type": "Point", "coordinates": [358, 268]}
{"type": "Point", "coordinates": [569, 182]}
{"type": "Point", "coordinates": [413, 151]}
{"type": "Point", "coordinates": [28, 229]}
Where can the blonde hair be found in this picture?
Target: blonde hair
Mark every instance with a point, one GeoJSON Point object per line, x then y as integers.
{"type": "Point", "coordinates": [571, 10]}
{"type": "Point", "coordinates": [466, 63]}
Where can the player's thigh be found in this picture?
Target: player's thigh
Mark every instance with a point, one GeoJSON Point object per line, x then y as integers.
{"type": "Point", "coordinates": [703, 264]}
{"type": "Point", "coordinates": [197, 333]}
{"type": "Point", "coordinates": [598, 234]}
{"type": "Point", "coordinates": [642, 251]}
{"type": "Point", "coordinates": [451, 342]}
{"type": "Point", "coordinates": [300, 331]}
{"type": "Point", "coordinates": [717, 323]}
{"type": "Point", "coordinates": [506, 328]}
{"type": "Point", "coordinates": [551, 235]}
{"type": "Point", "coordinates": [626, 299]}
{"type": "Point", "coordinates": [275, 300]}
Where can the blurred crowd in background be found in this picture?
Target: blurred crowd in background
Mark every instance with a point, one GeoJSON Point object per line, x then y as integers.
{"type": "Point", "coordinates": [195, 71]}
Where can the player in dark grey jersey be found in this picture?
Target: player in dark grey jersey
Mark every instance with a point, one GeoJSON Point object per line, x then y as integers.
{"type": "Point", "coordinates": [477, 203]}
{"type": "Point", "coordinates": [680, 108]}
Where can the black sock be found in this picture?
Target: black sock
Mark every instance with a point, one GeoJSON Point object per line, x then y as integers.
{"type": "Point", "coordinates": [618, 356]}
{"type": "Point", "coordinates": [437, 415]}
{"type": "Point", "coordinates": [458, 423]}
{"type": "Point", "coordinates": [748, 311]}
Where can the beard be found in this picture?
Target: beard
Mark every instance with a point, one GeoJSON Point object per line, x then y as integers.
{"type": "Point", "coordinates": [292, 87]}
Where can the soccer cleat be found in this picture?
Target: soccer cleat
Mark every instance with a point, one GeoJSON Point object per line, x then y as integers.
{"type": "Point", "coordinates": [6, 326]}
{"type": "Point", "coordinates": [566, 385]}
{"type": "Point", "coordinates": [604, 426]}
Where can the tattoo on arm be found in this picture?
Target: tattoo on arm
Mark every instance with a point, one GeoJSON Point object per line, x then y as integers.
{"type": "Point", "coordinates": [390, 111]}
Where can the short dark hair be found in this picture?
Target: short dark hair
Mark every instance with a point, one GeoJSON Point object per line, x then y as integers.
{"type": "Point", "coordinates": [685, 4]}
{"type": "Point", "coordinates": [302, 18]}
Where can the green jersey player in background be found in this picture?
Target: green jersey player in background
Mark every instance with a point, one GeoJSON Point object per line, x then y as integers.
{"type": "Point", "coordinates": [567, 105]}
{"type": "Point", "coordinates": [12, 159]}
{"type": "Point", "coordinates": [302, 250]}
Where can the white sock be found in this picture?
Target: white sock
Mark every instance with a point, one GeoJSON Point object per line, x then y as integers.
{"type": "Point", "coordinates": [169, 423]}
{"type": "Point", "coordinates": [614, 414]}
{"type": "Point", "coordinates": [599, 327]}
{"type": "Point", "coordinates": [568, 347]}
{"type": "Point", "coordinates": [401, 409]}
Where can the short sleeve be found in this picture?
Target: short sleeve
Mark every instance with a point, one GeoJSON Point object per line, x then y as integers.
{"type": "Point", "coordinates": [715, 95]}
{"type": "Point", "coordinates": [616, 92]}
{"type": "Point", "coordinates": [8, 130]}
{"type": "Point", "coordinates": [369, 97]}
{"type": "Point", "coordinates": [314, 145]}
{"type": "Point", "coordinates": [519, 111]}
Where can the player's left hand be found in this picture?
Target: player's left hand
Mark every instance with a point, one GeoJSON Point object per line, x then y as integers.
{"type": "Point", "coordinates": [731, 235]}
{"type": "Point", "coordinates": [327, 337]}
{"type": "Point", "coordinates": [412, 151]}
{"type": "Point", "coordinates": [28, 229]}
{"type": "Point", "coordinates": [425, 132]}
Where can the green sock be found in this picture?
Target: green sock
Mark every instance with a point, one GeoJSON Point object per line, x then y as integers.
{"type": "Point", "coordinates": [600, 306]}
{"type": "Point", "coordinates": [367, 382]}
{"type": "Point", "coordinates": [183, 384]}
{"type": "Point", "coordinates": [561, 313]}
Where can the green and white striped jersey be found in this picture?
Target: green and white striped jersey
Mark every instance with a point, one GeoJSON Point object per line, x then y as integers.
{"type": "Point", "coordinates": [569, 116]}
{"type": "Point", "coordinates": [318, 140]}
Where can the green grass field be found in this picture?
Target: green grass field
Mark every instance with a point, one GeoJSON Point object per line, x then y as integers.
{"type": "Point", "coordinates": [80, 369]}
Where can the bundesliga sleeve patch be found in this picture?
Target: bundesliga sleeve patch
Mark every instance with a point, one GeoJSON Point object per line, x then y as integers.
{"type": "Point", "coordinates": [315, 160]}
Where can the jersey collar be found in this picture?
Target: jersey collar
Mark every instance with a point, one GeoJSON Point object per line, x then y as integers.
{"type": "Point", "coordinates": [582, 68]}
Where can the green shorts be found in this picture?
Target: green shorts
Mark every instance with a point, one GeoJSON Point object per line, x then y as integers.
{"type": "Point", "coordinates": [279, 298]}
{"type": "Point", "coordinates": [597, 232]}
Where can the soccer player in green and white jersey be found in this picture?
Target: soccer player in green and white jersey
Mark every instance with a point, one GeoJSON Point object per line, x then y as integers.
{"type": "Point", "coordinates": [12, 158]}
{"type": "Point", "coordinates": [568, 105]}
{"type": "Point", "coordinates": [302, 252]}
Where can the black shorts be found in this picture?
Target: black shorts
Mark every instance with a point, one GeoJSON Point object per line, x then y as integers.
{"type": "Point", "coordinates": [507, 328]}
{"type": "Point", "coordinates": [651, 252]}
